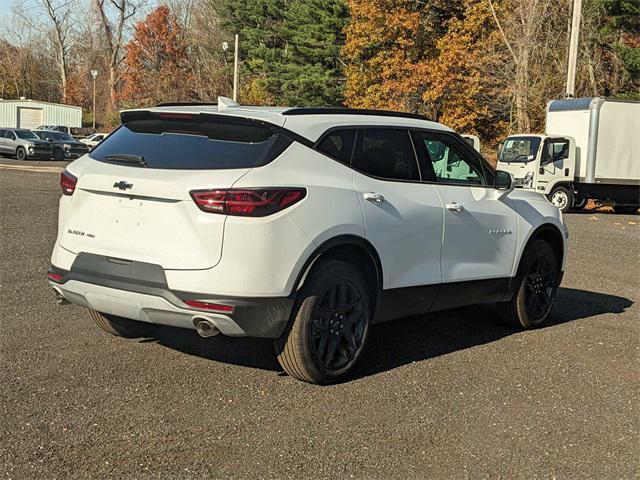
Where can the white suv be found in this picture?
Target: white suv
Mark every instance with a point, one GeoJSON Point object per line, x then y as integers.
{"type": "Point", "coordinates": [301, 225]}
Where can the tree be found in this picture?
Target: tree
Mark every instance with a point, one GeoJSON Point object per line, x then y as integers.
{"type": "Point", "coordinates": [113, 16]}
{"type": "Point", "coordinates": [389, 44]}
{"type": "Point", "coordinates": [290, 49]}
{"type": "Point", "coordinates": [157, 65]}
{"type": "Point", "coordinates": [59, 13]}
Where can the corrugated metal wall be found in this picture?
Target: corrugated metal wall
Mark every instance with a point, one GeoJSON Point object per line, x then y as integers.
{"type": "Point", "coordinates": [53, 113]}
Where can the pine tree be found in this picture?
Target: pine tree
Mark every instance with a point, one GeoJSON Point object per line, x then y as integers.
{"type": "Point", "coordinates": [289, 50]}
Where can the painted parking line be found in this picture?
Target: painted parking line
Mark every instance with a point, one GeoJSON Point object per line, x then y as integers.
{"type": "Point", "coordinates": [32, 168]}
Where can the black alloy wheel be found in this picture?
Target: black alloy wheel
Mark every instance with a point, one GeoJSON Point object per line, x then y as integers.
{"type": "Point", "coordinates": [338, 325]}
{"type": "Point", "coordinates": [540, 286]}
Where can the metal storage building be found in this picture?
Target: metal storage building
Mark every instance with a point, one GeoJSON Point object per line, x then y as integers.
{"type": "Point", "coordinates": [26, 113]}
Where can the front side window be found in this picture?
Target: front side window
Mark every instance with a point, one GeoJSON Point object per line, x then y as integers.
{"type": "Point", "coordinates": [339, 145]}
{"type": "Point", "coordinates": [555, 149]}
{"type": "Point", "coordinates": [386, 153]}
{"type": "Point", "coordinates": [519, 149]}
{"type": "Point", "coordinates": [451, 164]}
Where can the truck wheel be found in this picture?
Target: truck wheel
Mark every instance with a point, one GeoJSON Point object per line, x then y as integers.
{"type": "Point", "coordinates": [625, 209]}
{"type": "Point", "coordinates": [562, 198]}
{"type": "Point", "coordinates": [536, 285]}
{"type": "Point", "coordinates": [21, 153]}
{"type": "Point", "coordinates": [122, 327]}
{"type": "Point", "coordinates": [328, 331]}
{"type": "Point", "coordinates": [58, 154]}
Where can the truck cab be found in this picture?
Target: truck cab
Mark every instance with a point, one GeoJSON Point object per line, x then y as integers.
{"type": "Point", "coordinates": [541, 163]}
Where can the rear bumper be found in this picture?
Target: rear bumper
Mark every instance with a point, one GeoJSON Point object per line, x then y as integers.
{"type": "Point", "coordinates": [144, 297]}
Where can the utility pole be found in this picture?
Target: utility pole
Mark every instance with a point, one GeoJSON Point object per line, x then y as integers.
{"type": "Point", "coordinates": [573, 48]}
{"type": "Point", "coordinates": [94, 74]}
{"type": "Point", "coordinates": [235, 70]}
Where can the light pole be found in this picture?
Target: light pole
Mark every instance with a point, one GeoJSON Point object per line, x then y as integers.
{"type": "Point", "coordinates": [94, 74]}
{"type": "Point", "coordinates": [225, 47]}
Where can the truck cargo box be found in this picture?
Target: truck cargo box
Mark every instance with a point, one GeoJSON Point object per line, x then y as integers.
{"type": "Point", "coordinates": [607, 135]}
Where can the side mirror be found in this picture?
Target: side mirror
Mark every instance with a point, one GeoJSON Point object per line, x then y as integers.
{"type": "Point", "coordinates": [504, 181]}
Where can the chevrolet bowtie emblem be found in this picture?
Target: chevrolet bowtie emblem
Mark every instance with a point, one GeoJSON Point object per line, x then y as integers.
{"type": "Point", "coordinates": [122, 185]}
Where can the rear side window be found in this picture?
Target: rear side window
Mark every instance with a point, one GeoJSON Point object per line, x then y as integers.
{"type": "Point", "coordinates": [192, 142]}
{"type": "Point", "coordinates": [386, 153]}
{"type": "Point", "coordinates": [339, 145]}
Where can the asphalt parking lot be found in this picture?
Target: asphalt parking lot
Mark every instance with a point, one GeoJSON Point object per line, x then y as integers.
{"type": "Point", "coordinates": [449, 395]}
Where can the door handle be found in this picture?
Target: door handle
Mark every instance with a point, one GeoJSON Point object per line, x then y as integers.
{"type": "Point", "coordinates": [455, 207]}
{"type": "Point", "coordinates": [373, 197]}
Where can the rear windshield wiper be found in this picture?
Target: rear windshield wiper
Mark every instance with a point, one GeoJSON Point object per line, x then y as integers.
{"type": "Point", "coordinates": [136, 160]}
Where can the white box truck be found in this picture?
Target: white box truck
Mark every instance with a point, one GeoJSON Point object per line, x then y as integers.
{"type": "Point", "coordinates": [591, 150]}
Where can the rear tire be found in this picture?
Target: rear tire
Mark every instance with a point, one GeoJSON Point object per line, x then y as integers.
{"type": "Point", "coordinates": [536, 284]}
{"type": "Point", "coordinates": [122, 327]}
{"type": "Point", "coordinates": [328, 331]}
{"type": "Point", "coordinates": [562, 198]}
{"type": "Point", "coordinates": [625, 209]}
{"type": "Point", "coordinates": [21, 154]}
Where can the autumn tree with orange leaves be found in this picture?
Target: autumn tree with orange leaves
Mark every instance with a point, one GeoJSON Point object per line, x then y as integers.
{"type": "Point", "coordinates": [156, 62]}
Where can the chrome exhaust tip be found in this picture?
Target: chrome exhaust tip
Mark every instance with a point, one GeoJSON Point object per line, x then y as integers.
{"type": "Point", "coordinates": [205, 327]}
{"type": "Point", "coordinates": [60, 300]}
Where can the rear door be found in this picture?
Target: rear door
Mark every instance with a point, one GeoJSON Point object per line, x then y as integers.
{"type": "Point", "coordinates": [402, 216]}
{"type": "Point", "coordinates": [133, 201]}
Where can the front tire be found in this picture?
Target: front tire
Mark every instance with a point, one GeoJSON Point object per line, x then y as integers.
{"type": "Point", "coordinates": [536, 288]}
{"type": "Point", "coordinates": [562, 198]}
{"type": "Point", "coordinates": [21, 154]}
{"type": "Point", "coordinates": [122, 327]}
{"type": "Point", "coordinates": [328, 331]}
{"type": "Point", "coordinates": [58, 154]}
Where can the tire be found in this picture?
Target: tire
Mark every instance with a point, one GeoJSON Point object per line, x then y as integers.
{"type": "Point", "coordinates": [329, 325]}
{"type": "Point", "coordinates": [21, 153]}
{"type": "Point", "coordinates": [58, 154]}
{"type": "Point", "coordinates": [122, 327]}
{"type": "Point", "coordinates": [536, 285]}
{"type": "Point", "coordinates": [625, 209]}
{"type": "Point", "coordinates": [562, 198]}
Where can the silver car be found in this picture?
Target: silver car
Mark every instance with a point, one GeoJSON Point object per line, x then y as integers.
{"type": "Point", "coordinates": [24, 144]}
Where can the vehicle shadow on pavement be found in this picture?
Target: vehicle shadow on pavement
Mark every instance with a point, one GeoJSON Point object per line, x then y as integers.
{"type": "Point", "coordinates": [403, 341]}
{"type": "Point", "coordinates": [414, 339]}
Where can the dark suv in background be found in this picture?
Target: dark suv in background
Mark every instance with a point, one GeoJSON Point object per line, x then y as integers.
{"type": "Point", "coordinates": [24, 144]}
{"type": "Point", "coordinates": [64, 145]}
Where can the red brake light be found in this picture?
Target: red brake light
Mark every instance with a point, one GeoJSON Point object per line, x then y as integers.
{"type": "Point", "coordinates": [209, 306]}
{"type": "Point", "coordinates": [67, 183]}
{"type": "Point", "coordinates": [55, 277]}
{"type": "Point", "coordinates": [247, 202]}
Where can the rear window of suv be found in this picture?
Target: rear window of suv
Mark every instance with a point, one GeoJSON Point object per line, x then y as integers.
{"type": "Point", "coordinates": [192, 142]}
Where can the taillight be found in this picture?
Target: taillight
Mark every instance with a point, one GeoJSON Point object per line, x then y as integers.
{"type": "Point", "coordinates": [55, 277]}
{"type": "Point", "coordinates": [214, 307]}
{"type": "Point", "coordinates": [67, 183]}
{"type": "Point", "coordinates": [241, 202]}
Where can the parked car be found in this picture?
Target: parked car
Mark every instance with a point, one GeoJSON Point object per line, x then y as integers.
{"type": "Point", "coordinates": [23, 144]}
{"type": "Point", "coordinates": [94, 139]}
{"type": "Point", "coordinates": [76, 132]}
{"type": "Point", "coordinates": [303, 225]}
{"type": "Point", "coordinates": [64, 145]}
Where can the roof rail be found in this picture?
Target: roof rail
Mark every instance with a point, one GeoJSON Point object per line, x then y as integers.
{"type": "Point", "coordinates": [187, 104]}
{"type": "Point", "coordinates": [352, 111]}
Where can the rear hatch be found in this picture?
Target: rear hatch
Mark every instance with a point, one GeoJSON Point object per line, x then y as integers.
{"type": "Point", "coordinates": [132, 199]}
